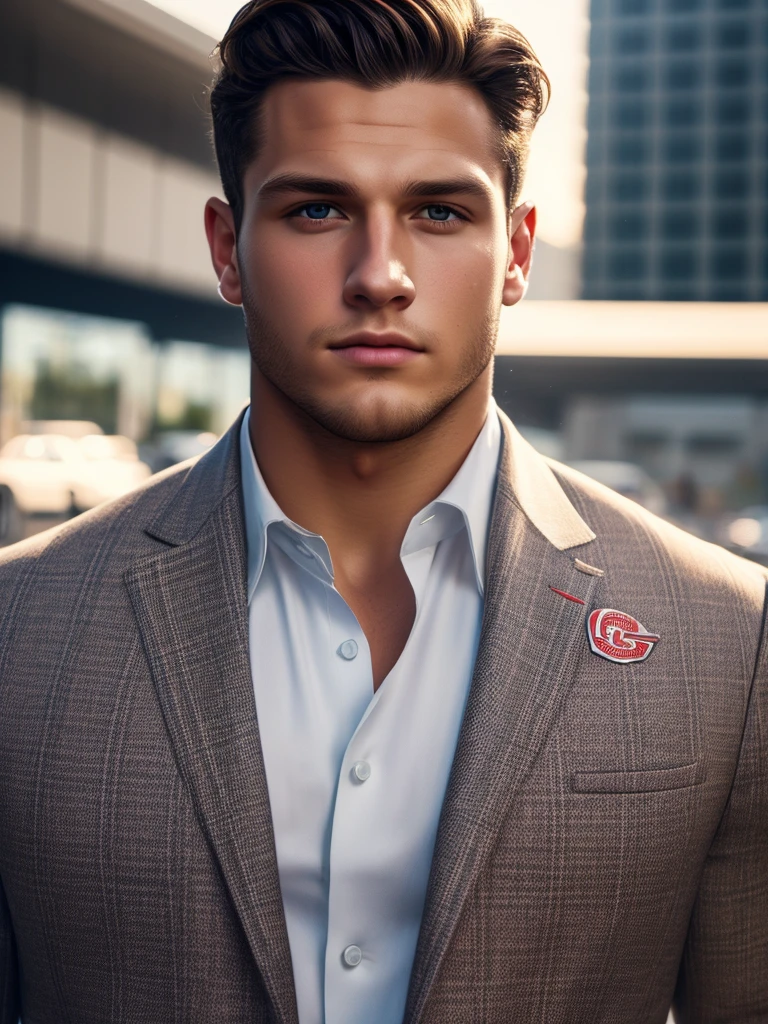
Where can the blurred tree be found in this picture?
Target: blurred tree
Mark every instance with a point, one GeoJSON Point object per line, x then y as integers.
{"type": "Point", "coordinates": [195, 416]}
{"type": "Point", "coordinates": [70, 393]}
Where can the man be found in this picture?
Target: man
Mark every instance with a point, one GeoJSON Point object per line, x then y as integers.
{"type": "Point", "coordinates": [371, 714]}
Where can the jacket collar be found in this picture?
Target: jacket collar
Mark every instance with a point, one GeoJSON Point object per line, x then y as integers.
{"type": "Point", "coordinates": [537, 493]}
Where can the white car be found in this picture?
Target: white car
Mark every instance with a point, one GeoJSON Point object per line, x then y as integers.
{"type": "Point", "coordinates": [110, 469]}
{"type": "Point", "coordinates": [54, 474]}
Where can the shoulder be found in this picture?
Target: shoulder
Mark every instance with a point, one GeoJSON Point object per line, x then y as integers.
{"type": "Point", "coordinates": [645, 552]}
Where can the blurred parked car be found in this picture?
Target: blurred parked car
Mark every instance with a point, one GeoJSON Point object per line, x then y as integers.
{"type": "Point", "coordinates": [70, 428]}
{"type": "Point", "coordinates": [746, 533]}
{"type": "Point", "coordinates": [54, 474]}
{"type": "Point", "coordinates": [112, 468]}
{"type": "Point", "coordinates": [628, 479]}
{"type": "Point", "coordinates": [173, 446]}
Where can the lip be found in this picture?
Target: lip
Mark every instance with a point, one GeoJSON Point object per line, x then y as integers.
{"type": "Point", "coordinates": [382, 350]}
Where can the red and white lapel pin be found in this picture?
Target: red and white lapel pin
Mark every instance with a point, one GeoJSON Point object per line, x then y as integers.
{"type": "Point", "coordinates": [614, 635]}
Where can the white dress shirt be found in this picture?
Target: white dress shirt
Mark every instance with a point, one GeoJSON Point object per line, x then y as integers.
{"type": "Point", "coordinates": [356, 779]}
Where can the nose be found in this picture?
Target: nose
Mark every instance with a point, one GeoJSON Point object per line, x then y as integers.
{"type": "Point", "coordinates": [378, 275]}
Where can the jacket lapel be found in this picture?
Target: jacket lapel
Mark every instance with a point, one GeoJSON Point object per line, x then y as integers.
{"type": "Point", "coordinates": [531, 642]}
{"type": "Point", "coordinates": [191, 605]}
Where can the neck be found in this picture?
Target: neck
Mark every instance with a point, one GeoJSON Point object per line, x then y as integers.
{"type": "Point", "coordinates": [359, 496]}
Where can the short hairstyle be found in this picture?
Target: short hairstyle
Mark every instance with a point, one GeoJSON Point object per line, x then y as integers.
{"type": "Point", "coordinates": [376, 44]}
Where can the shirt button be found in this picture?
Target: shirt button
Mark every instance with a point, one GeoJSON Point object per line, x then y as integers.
{"type": "Point", "coordinates": [352, 956]}
{"type": "Point", "coordinates": [348, 650]}
{"type": "Point", "coordinates": [303, 549]}
{"type": "Point", "coordinates": [361, 770]}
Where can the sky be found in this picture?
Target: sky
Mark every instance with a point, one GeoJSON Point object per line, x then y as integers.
{"type": "Point", "coordinates": [558, 31]}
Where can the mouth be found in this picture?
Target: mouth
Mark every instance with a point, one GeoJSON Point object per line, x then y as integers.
{"type": "Point", "coordinates": [379, 350]}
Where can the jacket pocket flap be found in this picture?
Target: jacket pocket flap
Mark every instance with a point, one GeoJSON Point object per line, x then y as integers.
{"type": "Point", "coordinates": [638, 782]}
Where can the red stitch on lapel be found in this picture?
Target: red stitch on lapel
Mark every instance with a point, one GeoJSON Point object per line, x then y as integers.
{"type": "Point", "coordinates": [568, 597]}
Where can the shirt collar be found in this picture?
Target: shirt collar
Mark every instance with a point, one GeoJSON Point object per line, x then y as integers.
{"type": "Point", "coordinates": [465, 502]}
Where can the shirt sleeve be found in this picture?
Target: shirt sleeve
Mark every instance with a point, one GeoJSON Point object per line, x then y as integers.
{"type": "Point", "coordinates": [724, 972]}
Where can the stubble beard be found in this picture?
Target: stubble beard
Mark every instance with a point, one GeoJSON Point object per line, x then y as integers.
{"type": "Point", "coordinates": [384, 421]}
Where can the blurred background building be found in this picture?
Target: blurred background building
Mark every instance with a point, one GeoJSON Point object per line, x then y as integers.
{"type": "Point", "coordinates": [108, 307]}
{"type": "Point", "coordinates": [677, 158]}
{"type": "Point", "coordinates": [641, 354]}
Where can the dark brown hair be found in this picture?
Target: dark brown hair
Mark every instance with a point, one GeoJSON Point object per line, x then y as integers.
{"type": "Point", "coordinates": [376, 43]}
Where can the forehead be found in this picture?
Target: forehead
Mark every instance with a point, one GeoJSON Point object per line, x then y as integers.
{"type": "Point", "coordinates": [327, 126]}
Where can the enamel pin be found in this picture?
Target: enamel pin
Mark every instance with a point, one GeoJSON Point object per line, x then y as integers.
{"type": "Point", "coordinates": [619, 637]}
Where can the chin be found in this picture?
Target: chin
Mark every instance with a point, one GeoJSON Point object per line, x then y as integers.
{"type": "Point", "coordinates": [378, 422]}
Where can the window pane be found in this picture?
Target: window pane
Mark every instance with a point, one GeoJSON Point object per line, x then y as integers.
{"type": "Point", "coordinates": [593, 265]}
{"type": "Point", "coordinates": [630, 114]}
{"type": "Point", "coordinates": [680, 264]}
{"type": "Point", "coordinates": [633, 40]}
{"type": "Point", "coordinates": [682, 113]}
{"type": "Point", "coordinates": [682, 149]}
{"type": "Point", "coordinates": [683, 76]}
{"type": "Point", "coordinates": [736, 291]}
{"type": "Point", "coordinates": [733, 74]}
{"type": "Point", "coordinates": [682, 185]}
{"type": "Point", "coordinates": [734, 4]}
{"type": "Point", "coordinates": [729, 264]}
{"type": "Point", "coordinates": [676, 291]}
{"type": "Point", "coordinates": [629, 149]}
{"type": "Point", "coordinates": [733, 109]}
{"type": "Point", "coordinates": [595, 113]}
{"type": "Point", "coordinates": [731, 184]}
{"type": "Point", "coordinates": [684, 37]}
{"type": "Point", "coordinates": [681, 6]}
{"type": "Point", "coordinates": [627, 265]}
{"type": "Point", "coordinates": [680, 225]}
{"type": "Point", "coordinates": [594, 190]}
{"type": "Point", "coordinates": [628, 186]}
{"type": "Point", "coordinates": [629, 226]}
{"type": "Point", "coordinates": [633, 6]}
{"type": "Point", "coordinates": [730, 224]}
{"type": "Point", "coordinates": [732, 147]}
{"type": "Point", "coordinates": [632, 78]}
{"type": "Point", "coordinates": [733, 34]}
{"type": "Point", "coordinates": [592, 227]}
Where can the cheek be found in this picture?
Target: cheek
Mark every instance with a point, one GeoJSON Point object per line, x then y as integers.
{"type": "Point", "coordinates": [463, 284]}
{"type": "Point", "coordinates": [295, 281]}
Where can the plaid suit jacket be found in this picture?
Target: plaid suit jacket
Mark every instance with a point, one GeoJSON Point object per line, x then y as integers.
{"type": "Point", "coordinates": [603, 844]}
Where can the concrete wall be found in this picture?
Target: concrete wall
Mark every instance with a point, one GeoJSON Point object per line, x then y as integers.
{"type": "Point", "coordinates": [79, 193]}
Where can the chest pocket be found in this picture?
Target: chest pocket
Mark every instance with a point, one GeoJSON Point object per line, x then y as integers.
{"type": "Point", "coordinates": [652, 781]}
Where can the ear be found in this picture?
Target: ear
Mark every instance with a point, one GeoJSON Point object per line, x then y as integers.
{"type": "Point", "coordinates": [222, 241]}
{"type": "Point", "coordinates": [522, 229]}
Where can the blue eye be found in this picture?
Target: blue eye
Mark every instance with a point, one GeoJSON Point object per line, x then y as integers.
{"type": "Point", "coordinates": [317, 211]}
{"type": "Point", "coordinates": [440, 213]}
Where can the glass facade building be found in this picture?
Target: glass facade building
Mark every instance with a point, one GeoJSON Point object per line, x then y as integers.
{"type": "Point", "coordinates": [677, 152]}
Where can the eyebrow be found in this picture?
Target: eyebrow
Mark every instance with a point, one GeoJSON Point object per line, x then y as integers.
{"type": "Point", "coordinates": [283, 184]}
{"type": "Point", "coordinates": [449, 186]}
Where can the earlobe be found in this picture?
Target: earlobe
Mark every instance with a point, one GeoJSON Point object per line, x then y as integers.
{"type": "Point", "coordinates": [223, 296]}
{"type": "Point", "coordinates": [515, 286]}
{"type": "Point", "coordinates": [522, 235]}
{"type": "Point", "coordinates": [222, 242]}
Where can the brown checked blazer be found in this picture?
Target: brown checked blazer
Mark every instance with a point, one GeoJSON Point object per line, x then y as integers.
{"type": "Point", "coordinates": [603, 845]}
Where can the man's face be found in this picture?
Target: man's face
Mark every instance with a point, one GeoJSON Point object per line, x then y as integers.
{"type": "Point", "coordinates": [374, 252]}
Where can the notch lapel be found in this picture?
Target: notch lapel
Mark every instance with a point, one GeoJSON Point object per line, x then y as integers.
{"type": "Point", "coordinates": [190, 601]}
{"type": "Point", "coordinates": [532, 641]}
